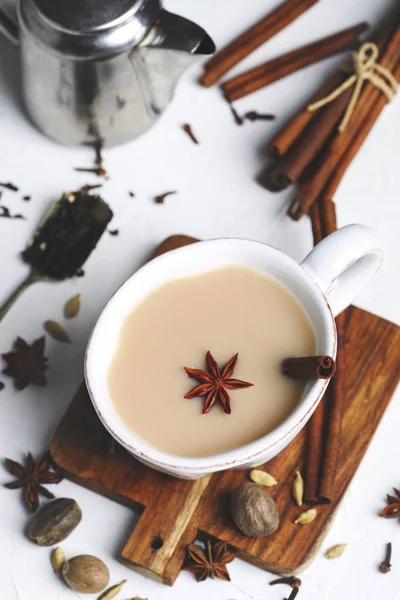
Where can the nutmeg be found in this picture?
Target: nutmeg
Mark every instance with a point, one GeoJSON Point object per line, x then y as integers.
{"type": "Point", "coordinates": [54, 522]}
{"type": "Point", "coordinates": [253, 510]}
{"type": "Point", "coordinates": [86, 574]}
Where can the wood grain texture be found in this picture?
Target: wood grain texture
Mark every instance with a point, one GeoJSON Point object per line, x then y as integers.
{"type": "Point", "coordinates": [175, 512]}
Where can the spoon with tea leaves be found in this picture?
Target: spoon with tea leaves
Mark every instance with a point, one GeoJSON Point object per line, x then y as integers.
{"type": "Point", "coordinates": [66, 236]}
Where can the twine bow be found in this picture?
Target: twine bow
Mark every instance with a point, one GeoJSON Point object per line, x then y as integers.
{"type": "Point", "coordinates": [366, 68]}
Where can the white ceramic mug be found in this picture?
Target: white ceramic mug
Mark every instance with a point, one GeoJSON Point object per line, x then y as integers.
{"type": "Point", "coordinates": [325, 283]}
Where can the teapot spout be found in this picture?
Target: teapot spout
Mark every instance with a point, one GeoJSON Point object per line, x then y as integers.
{"type": "Point", "coordinates": [170, 47]}
{"type": "Point", "coordinates": [173, 32]}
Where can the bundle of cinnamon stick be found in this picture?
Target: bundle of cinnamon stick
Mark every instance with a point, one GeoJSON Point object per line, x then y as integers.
{"type": "Point", "coordinates": [311, 151]}
{"type": "Point", "coordinates": [265, 74]}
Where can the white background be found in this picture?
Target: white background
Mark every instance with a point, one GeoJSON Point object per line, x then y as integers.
{"type": "Point", "coordinates": [218, 196]}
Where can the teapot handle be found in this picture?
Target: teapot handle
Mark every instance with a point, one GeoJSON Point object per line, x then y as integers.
{"type": "Point", "coordinates": [9, 27]}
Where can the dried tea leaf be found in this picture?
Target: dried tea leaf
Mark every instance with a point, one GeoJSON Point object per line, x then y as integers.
{"type": "Point", "coordinates": [57, 558]}
{"type": "Point", "coordinates": [262, 478]}
{"type": "Point", "coordinates": [306, 517]}
{"type": "Point", "coordinates": [335, 551]}
{"type": "Point", "coordinates": [112, 591]}
{"type": "Point", "coordinates": [298, 488]}
{"type": "Point", "coordinates": [56, 331]}
{"type": "Point", "coordinates": [72, 307]}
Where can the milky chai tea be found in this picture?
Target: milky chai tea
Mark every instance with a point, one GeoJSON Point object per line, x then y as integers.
{"type": "Point", "coordinates": [226, 311]}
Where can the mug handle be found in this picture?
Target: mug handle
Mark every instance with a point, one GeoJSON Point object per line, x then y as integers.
{"type": "Point", "coordinates": [343, 263]}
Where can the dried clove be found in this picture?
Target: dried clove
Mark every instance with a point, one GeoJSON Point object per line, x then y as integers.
{"type": "Point", "coordinates": [7, 215]}
{"type": "Point", "coordinates": [385, 565]}
{"type": "Point", "coordinates": [160, 199]}
{"type": "Point", "coordinates": [293, 581]}
{"type": "Point", "coordinates": [10, 186]}
{"type": "Point", "coordinates": [238, 119]}
{"type": "Point", "coordinates": [99, 171]}
{"type": "Point", "coordinates": [85, 189]}
{"type": "Point", "coordinates": [253, 115]}
{"type": "Point", "coordinates": [293, 594]}
{"type": "Point", "coordinates": [187, 128]}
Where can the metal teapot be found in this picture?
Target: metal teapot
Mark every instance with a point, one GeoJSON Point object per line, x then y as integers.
{"type": "Point", "coordinates": [101, 69]}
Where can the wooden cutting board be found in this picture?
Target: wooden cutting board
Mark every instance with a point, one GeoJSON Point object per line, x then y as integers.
{"type": "Point", "coordinates": [175, 512]}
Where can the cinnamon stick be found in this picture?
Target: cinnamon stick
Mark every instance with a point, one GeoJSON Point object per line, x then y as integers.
{"type": "Point", "coordinates": [299, 136]}
{"type": "Point", "coordinates": [285, 138]}
{"type": "Point", "coordinates": [309, 367]}
{"type": "Point", "coordinates": [334, 421]}
{"type": "Point", "coordinates": [315, 430]}
{"type": "Point", "coordinates": [369, 106]}
{"type": "Point", "coordinates": [354, 147]}
{"type": "Point", "coordinates": [276, 69]}
{"type": "Point", "coordinates": [292, 165]}
{"type": "Point", "coordinates": [254, 37]}
{"type": "Point", "coordinates": [323, 219]}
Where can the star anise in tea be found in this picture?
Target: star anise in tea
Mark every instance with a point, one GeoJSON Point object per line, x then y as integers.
{"type": "Point", "coordinates": [213, 383]}
{"type": "Point", "coordinates": [31, 477]}
{"type": "Point", "coordinates": [209, 562]}
{"type": "Point", "coordinates": [392, 510]}
{"type": "Point", "coordinates": [26, 363]}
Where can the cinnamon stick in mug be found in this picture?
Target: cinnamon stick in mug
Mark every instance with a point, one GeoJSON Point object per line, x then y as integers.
{"type": "Point", "coordinates": [333, 431]}
{"type": "Point", "coordinates": [309, 367]}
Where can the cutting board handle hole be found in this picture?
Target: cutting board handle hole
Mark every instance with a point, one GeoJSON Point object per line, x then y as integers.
{"type": "Point", "coordinates": [157, 542]}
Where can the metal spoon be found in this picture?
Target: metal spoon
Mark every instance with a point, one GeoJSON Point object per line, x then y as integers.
{"type": "Point", "coordinates": [66, 236]}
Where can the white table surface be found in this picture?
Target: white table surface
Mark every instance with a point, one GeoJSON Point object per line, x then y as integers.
{"type": "Point", "coordinates": [218, 196]}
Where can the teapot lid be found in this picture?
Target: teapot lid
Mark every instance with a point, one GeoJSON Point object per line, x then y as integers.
{"type": "Point", "coordinates": [87, 15]}
{"type": "Point", "coordinates": [89, 28]}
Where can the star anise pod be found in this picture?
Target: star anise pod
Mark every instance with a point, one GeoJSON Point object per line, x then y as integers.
{"type": "Point", "coordinates": [26, 363]}
{"type": "Point", "coordinates": [213, 383]}
{"type": "Point", "coordinates": [392, 510]}
{"type": "Point", "coordinates": [209, 562]}
{"type": "Point", "coordinates": [31, 477]}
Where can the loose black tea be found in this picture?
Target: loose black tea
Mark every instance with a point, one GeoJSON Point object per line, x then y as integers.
{"type": "Point", "coordinates": [113, 232]}
{"type": "Point", "coordinates": [68, 235]}
{"type": "Point", "coordinates": [26, 198]}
